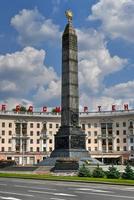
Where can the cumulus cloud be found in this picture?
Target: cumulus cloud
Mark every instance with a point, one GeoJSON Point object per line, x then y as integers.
{"type": "Point", "coordinates": [117, 17]}
{"type": "Point", "coordinates": [95, 61]}
{"type": "Point", "coordinates": [34, 28]}
{"type": "Point", "coordinates": [122, 90]}
{"type": "Point", "coordinates": [52, 92]}
{"type": "Point", "coordinates": [23, 73]}
{"type": "Point", "coordinates": [12, 102]}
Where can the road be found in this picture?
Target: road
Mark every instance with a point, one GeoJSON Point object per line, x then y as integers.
{"type": "Point", "coordinates": [19, 189]}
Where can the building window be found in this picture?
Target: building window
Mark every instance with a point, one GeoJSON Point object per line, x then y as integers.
{"type": "Point", "coordinates": [96, 149]}
{"type": "Point", "coordinates": [37, 149]}
{"type": "Point", "coordinates": [117, 132]}
{"type": "Point", "coordinates": [10, 132]}
{"type": "Point", "coordinates": [2, 149]}
{"type": "Point", "coordinates": [10, 125]}
{"type": "Point", "coordinates": [57, 125]}
{"type": "Point", "coordinates": [118, 140]}
{"type": "Point", "coordinates": [95, 141]}
{"type": "Point", "coordinates": [124, 140]}
{"type": "Point", "coordinates": [9, 141]}
{"type": "Point", "coordinates": [44, 148]}
{"type": "Point", "coordinates": [83, 126]}
{"type": "Point", "coordinates": [44, 141]}
{"type": "Point", "coordinates": [31, 125]}
{"type": "Point", "coordinates": [31, 141]}
{"type": "Point", "coordinates": [50, 149]}
{"type": "Point", "coordinates": [95, 125]}
{"type": "Point", "coordinates": [89, 133]}
{"type": "Point", "coordinates": [132, 148]}
{"type": "Point", "coordinates": [31, 149]}
{"type": "Point", "coordinates": [89, 141]}
{"type": "Point", "coordinates": [44, 126]}
{"type": "Point", "coordinates": [124, 148]}
{"type": "Point", "coordinates": [131, 140]}
{"type": "Point", "coordinates": [9, 148]}
{"type": "Point", "coordinates": [38, 133]}
{"type": "Point", "coordinates": [95, 133]}
{"type": "Point", "coordinates": [38, 125]}
{"type": "Point", "coordinates": [89, 125]}
{"type": "Point", "coordinates": [3, 132]}
{"type": "Point", "coordinates": [124, 132]}
{"type": "Point", "coordinates": [31, 133]}
{"type": "Point", "coordinates": [38, 141]}
{"type": "Point", "coordinates": [89, 148]}
{"type": "Point", "coordinates": [50, 141]}
{"type": "Point", "coordinates": [50, 126]}
{"type": "Point", "coordinates": [3, 141]}
{"type": "Point", "coordinates": [117, 124]}
{"type": "Point", "coordinates": [3, 124]}
{"type": "Point", "coordinates": [131, 124]}
{"type": "Point", "coordinates": [118, 148]}
{"type": "Point", "coordinates": [124, 124]}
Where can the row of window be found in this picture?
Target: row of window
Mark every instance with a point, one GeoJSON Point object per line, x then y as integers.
{"type": "Point", "coordinates": [110, 133]}
{"type": "Point", "coordinates": [31, 141]}
{"type": "Point", "coordinates": [124, 124]}
{"type": "Point", "coordinates": [38, 125]}
{"type": "Point", "coordinates": [118, 149]}
{"type": "Point", "coordinates": [31, 149]}
{"type": "Point", "coordinates": [117, 140]}
{"type": "Point", "coordinates": [31, 133]}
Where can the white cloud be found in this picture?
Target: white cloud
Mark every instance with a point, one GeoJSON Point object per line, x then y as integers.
{"type": "Point", "coordinates": [23, 73]}
{"type": "Point", "coordinates": [52, 92]}
{"type": "Point", "coordinates": [117, 17]}
{"type": "Point", "coordinates": [122, 90]}
{"type": "Point", "coordinates": [34, 28]}
{"type": "Point", "coordinates": [95, 61]}
{"type": "Point", "coordinates": [12, 102]}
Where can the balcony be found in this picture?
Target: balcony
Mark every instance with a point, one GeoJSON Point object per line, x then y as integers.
{"type": "Point", "coordinates": [18, 136]}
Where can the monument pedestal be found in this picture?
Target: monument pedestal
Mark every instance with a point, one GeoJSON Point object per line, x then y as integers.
{"type": "Point", "coordinates": [70, 142]}
{"type": "Point", "coordinates": [70, 147]}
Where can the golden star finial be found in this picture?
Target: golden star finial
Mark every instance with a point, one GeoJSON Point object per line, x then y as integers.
{"type": "Point", "coordinates": [69, 15]}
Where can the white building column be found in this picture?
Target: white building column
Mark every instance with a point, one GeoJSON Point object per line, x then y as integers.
{"type": "Point", "coordinates": [106, 145]}
{"type": "Point", "coordinates": [41, 144]}
{"type": "Point", "coordinates": [114, 144]}
{"type": "Point", "coordinates": [99, 144]}
{"type": "Point", "coordinates": [13, 144]}
{"type": "Point", "coordinates": [28, 145]}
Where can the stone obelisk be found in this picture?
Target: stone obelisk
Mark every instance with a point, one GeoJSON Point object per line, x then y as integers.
{"type": "Point", "coordinates": [70, 139]}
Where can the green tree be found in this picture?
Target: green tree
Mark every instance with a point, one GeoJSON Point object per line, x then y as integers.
{"type": "Point", "coordinates": [113, 172]}
{"type": "Point", "coordinates": [84, 172]}
{"type": "Point", "coordinates": [129, 173]}
{"type": "Point", "coordinates": [98, 172]}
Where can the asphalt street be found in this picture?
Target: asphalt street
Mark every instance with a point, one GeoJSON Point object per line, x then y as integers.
{"type": "Point", "coordinates": [20, 189]}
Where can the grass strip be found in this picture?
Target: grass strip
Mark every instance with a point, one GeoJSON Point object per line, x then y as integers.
{"type": "Point", "coordinates": [67, 178]}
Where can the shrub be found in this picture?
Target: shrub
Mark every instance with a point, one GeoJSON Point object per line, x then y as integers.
{"type": "Point", "coordinates": [98, 172]}
{"type": "Point", "coordinates": [129, 173]}
{"type": "Point", "coordinates": [113, 172]}
{"type": "Point", "coordinates": [84, 172]}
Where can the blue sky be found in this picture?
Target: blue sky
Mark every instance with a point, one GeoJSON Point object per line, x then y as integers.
{"type": "Point", "coordinates": [30, 51]}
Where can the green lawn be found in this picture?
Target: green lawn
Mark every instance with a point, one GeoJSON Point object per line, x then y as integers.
{"type": "Point", "coordinates": [66, 178]}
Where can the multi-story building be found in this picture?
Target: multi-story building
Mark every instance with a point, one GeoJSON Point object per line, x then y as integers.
{"type": "Point", "coordinates": [28, 137]}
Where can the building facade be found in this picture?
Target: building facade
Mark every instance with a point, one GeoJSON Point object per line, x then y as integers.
{"type": "Point", "coordinates": [28, 137]}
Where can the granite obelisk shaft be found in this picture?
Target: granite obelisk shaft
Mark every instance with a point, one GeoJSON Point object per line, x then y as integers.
{"type": "Point", "coordinates": [70, 139]}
